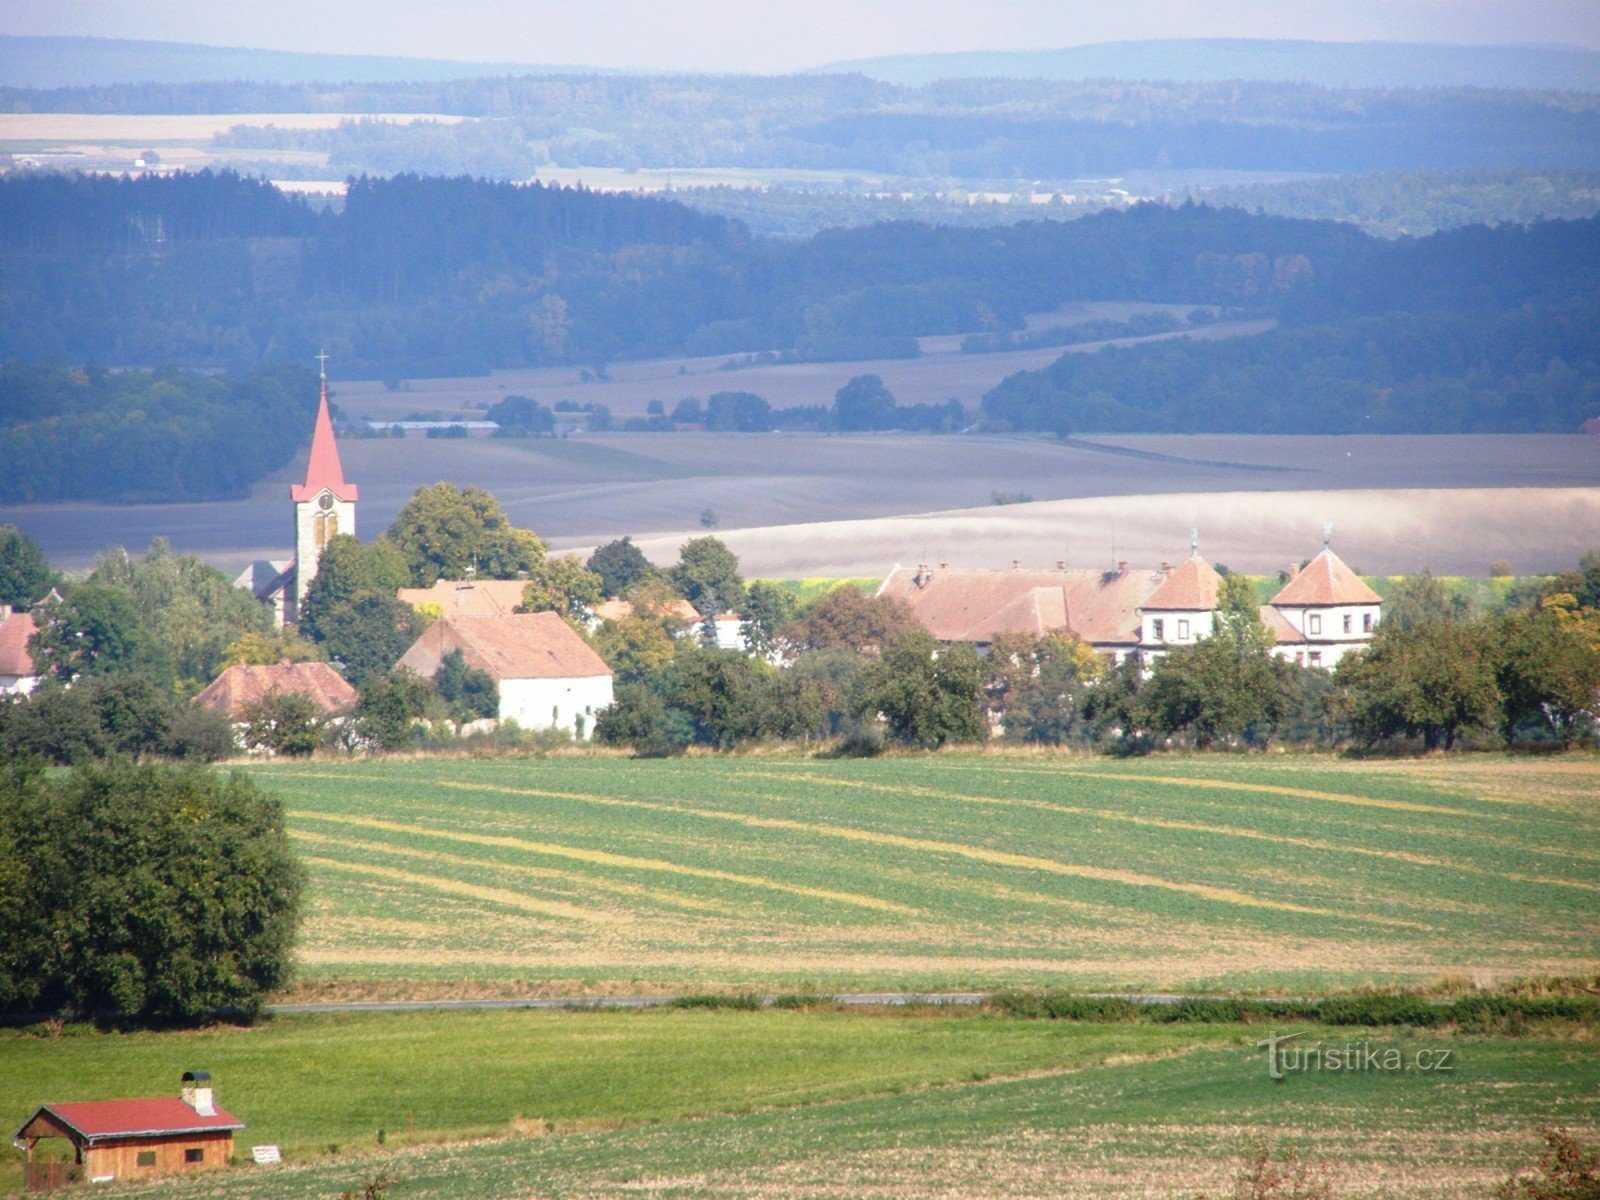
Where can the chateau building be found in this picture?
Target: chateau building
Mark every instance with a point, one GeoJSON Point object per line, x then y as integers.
{"type": "Point", "coordinates": [324, 505]}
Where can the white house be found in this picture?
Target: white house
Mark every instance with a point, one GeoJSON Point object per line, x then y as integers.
{"type": "Point", "coordinates": [1323, 612]}
{"type": "Point", "coordinates": [18, 675]}
{"type": "Point", "coordinates": [1181, 610]}
{"type": "Point", "coordinates": [545, 675]}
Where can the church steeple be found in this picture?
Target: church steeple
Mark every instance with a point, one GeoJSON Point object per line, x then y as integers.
{"type": "Point", "coordinates": [324, 505]}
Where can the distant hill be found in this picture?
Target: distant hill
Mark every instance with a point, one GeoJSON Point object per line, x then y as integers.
{"type": "Point", "coordinates": [49, 62]}
{"type": "Point", "coordinates": [1208, 60]}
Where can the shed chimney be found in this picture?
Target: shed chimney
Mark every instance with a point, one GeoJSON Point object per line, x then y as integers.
{"type": "Point", "coordinates": [1294, 569]}
{"type": "Point", "coordinates": [197, 1092]}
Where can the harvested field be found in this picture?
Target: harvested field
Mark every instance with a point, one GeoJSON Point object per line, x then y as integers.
{"type": "Point", "coordinates": [945, 872]}
{"type": "Point", "coordinates": [780, 499]}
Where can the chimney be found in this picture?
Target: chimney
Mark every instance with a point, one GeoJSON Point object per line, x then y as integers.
{"type": "Point", "coordinates": [1122, 568]}
{"type": "Point", "coordinates": [1294, 569]}
{"type": "Point", "coordinates": [944, 566]}
{"type": "Point", "coordinates": [1061, 564]}
{"type": "Point", "coordinates": [1166, 568]}
{"type": "Point", "coordinates": [197, 1093]}
{"type": "Point", "coordinates": [1016, 564]}
{"type": "Point", "coordinates": [5, 612]}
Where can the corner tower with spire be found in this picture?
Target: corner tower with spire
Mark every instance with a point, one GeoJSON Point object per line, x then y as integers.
{"type": "Point", "coordinates": [324, 505]}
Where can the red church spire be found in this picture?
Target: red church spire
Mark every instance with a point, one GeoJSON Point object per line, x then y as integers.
{"type": "Point", "coordinates": [323, 470]}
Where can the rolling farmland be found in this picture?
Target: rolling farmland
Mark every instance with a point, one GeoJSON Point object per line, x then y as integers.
{"type": "Point", "coordinates": [613, 875]}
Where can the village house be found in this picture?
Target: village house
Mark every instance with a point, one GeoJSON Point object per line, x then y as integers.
{"type": "Point", "coordinates": [1321, 614]}
{"type": "Point", "coordinates": [244, 685]}
{"type": "Point", "coordinates": [131, 1139]}
{"type": "Point", "coordinates": [545, 675]}
{"type": "Point", "coordinates": [324, 505]}
{"type": "Point", "coordinates": [466, 597]}
{"type": "Point", "coordinates": [17, 674]}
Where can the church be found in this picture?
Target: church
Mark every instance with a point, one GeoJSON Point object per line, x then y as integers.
{"type": "Point", "coordinates": [324, 505]}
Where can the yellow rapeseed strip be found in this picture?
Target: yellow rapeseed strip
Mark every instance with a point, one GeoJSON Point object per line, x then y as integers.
{"type": "Point", "coordinates": [547, 908]}
{"type": "Point", "coordinates": [606, 858]}
{"type": "Point", "coordinates": [576, 878]}
{"type": "Point", "coordinates": [958, 849]}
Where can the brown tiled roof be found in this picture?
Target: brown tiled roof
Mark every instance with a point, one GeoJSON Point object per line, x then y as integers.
{"type": "Point", "coordinates": [620, 610]}
{"type": "Point", "coordinates": [972, 605]}
{"type": "Point", "coordinates": [519, 646]}
{"type": "Point", "coordinates": [1279, 627]}
{"type": "Point", "coordinates": [1190, 586]}
{"type": "Point", "coordinates": [249, 683]}
{"type": "Point", "coordinates": [1325, 580]}
{"type": "Point", "coordinates": [469, 597]}
{"type": "Point", "coordinates": [15, 631]}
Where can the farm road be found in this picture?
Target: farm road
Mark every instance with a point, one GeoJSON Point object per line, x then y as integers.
{"type": "Point", "coordinates": [853, 999]}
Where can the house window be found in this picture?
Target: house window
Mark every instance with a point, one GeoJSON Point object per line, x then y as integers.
{"type": "Point", "coordinates": [1158, 630]}
{"type": "Point", "coordinates": [1316, 658]}
{"type": "Point", "coordinates": [194, 1154]}
{"type": "Point", "coordinates": [1183, 631]}
{"type": "Point", "coordinates": [1366, 622]}
{"type": "Point", "coordinates": [147, 1158]}
{"type": "Point", "coordinates": [1314, 623]}
{"type": "Point", "coordinates": [1349, 623]}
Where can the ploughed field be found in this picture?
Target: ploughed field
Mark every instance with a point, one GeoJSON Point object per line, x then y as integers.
{"type": "Point", "coordinates": [1290, 874]}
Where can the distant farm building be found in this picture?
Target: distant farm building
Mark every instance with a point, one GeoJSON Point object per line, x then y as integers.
{"type": "Point", "coordinates": [131, 1139]}
{"type": "Point", "coordinates": [467, 597]}
{"type": "Point", "coordinates": [545, 675]}
{"type": "Point", "coordinates": [247, 684]}
{"type": "Point", "coordinates": [17, 673]}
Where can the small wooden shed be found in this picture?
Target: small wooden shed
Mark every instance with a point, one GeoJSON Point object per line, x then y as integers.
{"type": "Point", "coordinates": [133, 1139]}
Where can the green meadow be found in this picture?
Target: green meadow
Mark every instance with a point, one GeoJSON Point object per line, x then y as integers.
{"type": "Point", "coordinates": [1284, 874]}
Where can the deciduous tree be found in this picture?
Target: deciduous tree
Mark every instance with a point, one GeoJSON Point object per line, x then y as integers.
{"type": "Point", "coordinates": [445, 532]}
{"type": "Point", "coordinates": [1432, 681]}
{"type": "Point", "coordinates": [928, 694]}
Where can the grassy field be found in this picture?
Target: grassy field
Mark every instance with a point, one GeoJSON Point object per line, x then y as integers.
{"type": "Point", "coordinates": [787, 1104]}
{"type": "Point", "coordinates": [612, 875]}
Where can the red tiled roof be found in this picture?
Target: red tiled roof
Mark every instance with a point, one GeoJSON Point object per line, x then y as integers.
{"type": "Point", "coordinates": [96, 1119]}
{"type": "Point", "coordinates": [972, 605]}
{"type": "Point", "coordinates": [1191, 586]}
{"type": "Point", "coordinates": [323, 469]}
{"type": "Point", "coordinates": [245, 684]}
{"type": "Point", "coordinates": [1279, 627]}
{"type": "Point", "coordinates": [1325, 580]}
{"type": "Point", "coordinates": [518, 646]}
{"type": "Point", "coordinates": [620, 610]}
{"type": "Point", "coordinates": [15, 631]}
{"type": "Point", "coordinates": [469, 597]}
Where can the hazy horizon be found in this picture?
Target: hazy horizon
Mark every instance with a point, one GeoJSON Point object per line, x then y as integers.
{"type": "Point", "coordinates": [783, 35]}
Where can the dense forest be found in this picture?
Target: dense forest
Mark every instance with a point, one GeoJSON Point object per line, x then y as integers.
{"type": "Point", "coordinates": [68, 434]}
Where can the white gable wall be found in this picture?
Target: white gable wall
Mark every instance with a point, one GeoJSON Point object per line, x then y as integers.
{"type": "Point", "coordinates": [555, 703]}
{"type": "Point", "coordinates": [1177, 628]}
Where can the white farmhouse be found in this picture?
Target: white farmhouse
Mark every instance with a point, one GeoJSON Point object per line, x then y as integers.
{"type": "Point", "coordinates": [545, 675]}
{"type": "Point", "coordinates": [1181, 610]}
{"type": "Point", "coordinates": [1323, 612]}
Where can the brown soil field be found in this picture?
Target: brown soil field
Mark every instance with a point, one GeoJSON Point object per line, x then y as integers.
{"type": "Point", "coordinates": [940, 374]}
{"type": "Point", "coordinates": [855, 504]}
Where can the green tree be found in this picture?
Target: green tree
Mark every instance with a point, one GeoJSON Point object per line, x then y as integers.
{"type": "Point", "coordinates": [264, 649]}
{"type": "Point", "coordinates": [191, 607]}
{"type": "Point", "coordinates": [727, 695]}
{"type": "Point", "coordinates": [563, 586]}
{"type": "Point", "coordinates": [367, 635]}
{"type": "Point", "coordinates": [848, 619]}
{"type": "Point", "coordinates": [26, 576]}
{"type": "Point", "coordinates": [97, 716]}
{"type": "Point", "coordinates": [96, 630]}
{"type": "Point", "coordinates": [347, 569]}
{"type": "Point", "coordinates": [620, 565]}
{"type": "Point", "coordinates": [389, 706]}
{"type": "Point", "coordinates": [928, 694]}
{"type": "Point", "coordinates": [1225, 686]}
{"type": "Point", "coordinates": [470, 693]}
{"type": "Point", "coordinates": [284, 723]}
{"type": "Point", "coordinates": [863, 403]}
{"type": "Point", "coordinates": [445, 532]}
{"type": "Point", "coordinates": [767, 608]}
{"type": "Point", "coordinates": [1547, 666]}
{"type": "Point", "coordinates": [157, 892]}
{"type": "Point", "coordinates": [1419, 600]}
{"type": "Point", "coordinates": [707, 576]}
{"type": "Point", "coordinates": [742, 412]}
{"type": "Point", "coordinates": [1036, 683]}
{"type": "Point", "coordinates": [634, 647]}
{"type": "Point", "coordinates": [640, 718]}
{"type": "Point", "coordinates": [1432, 680]}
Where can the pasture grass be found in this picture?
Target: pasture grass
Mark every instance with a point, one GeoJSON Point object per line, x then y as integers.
{"type": "Point", "coordinates": [788, 1104]}
{"type": "Point", "coordinates": [1271, 875]}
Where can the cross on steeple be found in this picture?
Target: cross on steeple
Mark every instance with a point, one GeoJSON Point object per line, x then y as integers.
{"type": "Point", "coordinates": [322, 365]}
{"type": "Point", "coordinates": [1327, 533]}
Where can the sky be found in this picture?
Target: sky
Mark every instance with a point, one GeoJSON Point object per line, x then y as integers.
{"type": "Point", "coordinates": [780, 35]}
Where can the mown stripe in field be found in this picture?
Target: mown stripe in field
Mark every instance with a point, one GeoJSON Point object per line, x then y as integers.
{"type": "Point", "coordinates": [1317, 844]}
{"type": "Point", "coordinates": [577, 879]}
{"type": "Point", "coordinates": [609, 859]}
{"type": "Point", "coordinates": [954, 849]}
{"type": "Point", "coordinates": [473, 891]}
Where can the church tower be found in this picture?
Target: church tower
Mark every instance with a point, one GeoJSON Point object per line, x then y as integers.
{"type": "Point", "coordinates": [323, 505]}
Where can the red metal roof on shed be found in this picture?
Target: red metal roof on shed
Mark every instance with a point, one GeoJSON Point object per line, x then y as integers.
{"type": "Point", "coordinates": [127, 1118]}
